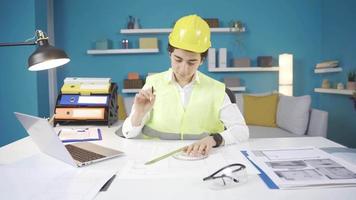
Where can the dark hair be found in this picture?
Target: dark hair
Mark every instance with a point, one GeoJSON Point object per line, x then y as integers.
{"type": "Point", "coordinates": [203, 55]}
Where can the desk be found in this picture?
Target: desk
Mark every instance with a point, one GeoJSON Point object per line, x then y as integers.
{"type": "Point", "coordinates": [186, 187]}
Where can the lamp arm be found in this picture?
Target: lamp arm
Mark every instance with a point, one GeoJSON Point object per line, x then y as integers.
{"type": "Point", "coordinates": [17, 43]}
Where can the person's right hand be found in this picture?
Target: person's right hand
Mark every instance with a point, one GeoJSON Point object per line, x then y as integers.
{"type": "Point", "coordinates": [144, 101]}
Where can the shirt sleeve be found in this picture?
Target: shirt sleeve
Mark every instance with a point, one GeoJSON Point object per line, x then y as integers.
{"type": "Point", "coordinates": [130, 131]}
{"type": "Point", "coordinates": [236, 128]}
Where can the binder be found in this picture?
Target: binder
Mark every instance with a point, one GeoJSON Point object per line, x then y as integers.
{"type": "Point", "coordinates": [74, 109]}
{"type": "Point", "coordinates": [85, 80]}
{"type": "Point", "coordinates": [86, 88]}
{"type": "Point", "coordinates": [79, 113]}
{"type": "Point", "coordinates": [79, 100]}
{"type": "Point", "coordinates": [267, 180]}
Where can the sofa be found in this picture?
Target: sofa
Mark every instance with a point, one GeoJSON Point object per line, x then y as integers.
{"type": "Point", "coordinates": [294, 117]}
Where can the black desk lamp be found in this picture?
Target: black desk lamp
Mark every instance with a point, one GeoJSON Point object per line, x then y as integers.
{"type": "Point", "coordinates": [45, 56]}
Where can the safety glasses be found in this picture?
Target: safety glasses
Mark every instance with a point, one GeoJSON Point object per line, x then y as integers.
{"type": "Point", "coordinates": [229, 175]}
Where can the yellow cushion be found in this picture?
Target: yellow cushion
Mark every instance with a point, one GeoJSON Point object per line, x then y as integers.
{"type": "Point", "coordinates": [261, 110]}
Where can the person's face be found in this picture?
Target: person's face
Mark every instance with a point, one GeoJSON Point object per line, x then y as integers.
{"type": "Point", "coordinates": [185, 63]}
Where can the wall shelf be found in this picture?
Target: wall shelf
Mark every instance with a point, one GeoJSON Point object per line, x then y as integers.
{"type": "Point", "coordinates": [327, 70]}
{"type": "Point", "coordinates": [168, 30]}
{"type": "Point", "coordinates": [130, 90]}
{"type": "Point", "coordinates": [243, 69]}
{"type": "Point", "coordinates": [120, 51]}
{"type": "Point", "coordinates": [238, 89]}
{"type": "Point", "coordinates": [333, 91]}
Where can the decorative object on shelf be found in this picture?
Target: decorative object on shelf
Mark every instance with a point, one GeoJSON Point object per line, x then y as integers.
{"type": "Point", "coordinates": [137, 23]}
{"type": "Point", "coordinates": [45, 57]}
{"type": "Point", "coordinates": [340, 86]}
{"type": "Point", "coordinates": [212, 22]}
{"type": "Point", "coordinates": [286, 74]}
{"type": "Point", "coordinates": [103, 44]}
{"type": "Point", "coordinates": [130, 23]}
{"type": "Point", "coordinates": [238, 25]}
{"type": "Point", "coordinates": [148, 43]}
{"type": "Point", "coordinates": [211, 58]}
{"type": "Point", "coordinates": [232, 82]}
{"type": "Point", "coordinates": [133, 81]}
{"type": "Point", "coordinates": [264, 61]}
{"type": "Point", "coordinates": [241, 62]}
{"type": "Point", "coordinates": [351, 78]}
{"type": "Point", "coordinates": [327, 64]}
{"type": "Point", "coordinates": [125, 43]}
{"type": "Point", "coordinates": [325, 84]}
{"type": "Point", "coordinates": [223, 57]}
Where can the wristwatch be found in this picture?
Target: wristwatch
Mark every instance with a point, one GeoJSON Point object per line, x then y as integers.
{"type": "Point", "coordinates": [217, 138]}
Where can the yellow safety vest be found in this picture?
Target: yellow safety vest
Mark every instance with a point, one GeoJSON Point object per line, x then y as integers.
{"type": "Point", "coordinates": [201, 115]}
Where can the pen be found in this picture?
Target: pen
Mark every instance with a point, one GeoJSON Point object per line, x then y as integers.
{"type": "Point", "coordinates": [152, 91]}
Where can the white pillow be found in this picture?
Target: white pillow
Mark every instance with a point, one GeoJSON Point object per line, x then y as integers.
{"type": "Point", "coordinates": [293, 113]}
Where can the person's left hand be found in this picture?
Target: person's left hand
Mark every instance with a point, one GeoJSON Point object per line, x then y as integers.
{"type": "Point", "coordinates": [201, 147]}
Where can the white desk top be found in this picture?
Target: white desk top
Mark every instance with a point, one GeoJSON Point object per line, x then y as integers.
{"type": "Point", "coordinates": [188, 187]}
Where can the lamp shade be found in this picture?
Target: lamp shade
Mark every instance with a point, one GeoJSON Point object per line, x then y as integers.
{"type": "Point", "coordinates": [286, 74]}
{"type": "Point", "coordinates": [46, 57]}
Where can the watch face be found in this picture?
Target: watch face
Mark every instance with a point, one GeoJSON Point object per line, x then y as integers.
{"type": "Point", "coordinates": [183, 156]}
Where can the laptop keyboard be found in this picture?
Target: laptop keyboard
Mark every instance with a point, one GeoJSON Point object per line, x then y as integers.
{"type": "Point", "coordinates": [82, 155]}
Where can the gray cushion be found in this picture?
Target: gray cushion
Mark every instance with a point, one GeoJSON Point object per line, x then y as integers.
{"type": "Point", "coordinates": [293, 113]}
{"type": "Point", "coordinates": [268, 132]}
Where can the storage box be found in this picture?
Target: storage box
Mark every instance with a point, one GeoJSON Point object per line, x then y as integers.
{"type": "Point", "coordinates": [232, 81]}
{"type": "Point", "coordinates": [241, 62]}
{"type": "Point", "coordinates": [212, 22]}
{"type": "Point", "coordinates": [133, 84]}
{"type": "Point", "coordinates": [103, 44]}
{"type": "Point", "coordinates": [148, 43]}
{"type": "Point", "coordinates": [264, 61]}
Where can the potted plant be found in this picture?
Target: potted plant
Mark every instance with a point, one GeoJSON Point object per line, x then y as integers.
{"type": "Point", "coordinates": [351, 84]}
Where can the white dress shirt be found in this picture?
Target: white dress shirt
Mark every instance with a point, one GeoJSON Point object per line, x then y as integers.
{"type": "Point", "coordinates": [236, 129]}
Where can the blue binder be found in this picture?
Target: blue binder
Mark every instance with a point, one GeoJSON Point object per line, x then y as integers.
{"type": "Point", "coordinates": [268, 181]}
{"type": "Point", "coordinates": [73, 100]}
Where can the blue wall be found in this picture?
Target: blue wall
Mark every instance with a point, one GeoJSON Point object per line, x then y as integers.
{"type": "Point", "coordinates": [338, 42]}
{"type": "Point", "coordinates": [20, 90]}
{"type": "Point", "coordinates": [309, 29]}
{"type": "Point", "coordinates": [274, 27]}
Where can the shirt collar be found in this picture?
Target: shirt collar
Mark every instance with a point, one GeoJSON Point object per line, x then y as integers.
{"type": "Point", "coordinates": [170, 77]}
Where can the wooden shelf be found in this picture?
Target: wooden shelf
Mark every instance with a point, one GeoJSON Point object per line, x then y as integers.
{"type": "Point", "coordinates": [238, 89]}
{"type": "Point", "coordinates": [168, 30]}
{"type": "Point", "coordinates": [333, 91]}
{"type": "Point", "coordinates": [130, 90]}
{"type": "Point", "coordinates": [121, 51]}
{"type": "Point", "coordinates": [243, 69]}
{"type": "Point", "coordinates": [327, 70]}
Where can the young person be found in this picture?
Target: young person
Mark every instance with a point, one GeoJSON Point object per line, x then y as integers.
{"type": "Point", "coordinates": [183, 103]}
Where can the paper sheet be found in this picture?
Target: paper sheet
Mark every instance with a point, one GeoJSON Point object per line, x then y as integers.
{"type": "Point", "coordinates": [79, 134]}
{"type": "Point", "coordinates": [42, 177]}
{"type": "Point", "coordinates": [303, 167]}
{"type": "Point", "coordinates": [173, 168]}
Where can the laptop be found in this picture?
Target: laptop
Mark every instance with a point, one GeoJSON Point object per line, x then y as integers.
{"type": "Point", "coordinates": [76, 154]}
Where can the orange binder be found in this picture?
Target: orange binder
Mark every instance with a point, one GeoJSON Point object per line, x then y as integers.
{"type": "Point", "coordinates": [80, 113]}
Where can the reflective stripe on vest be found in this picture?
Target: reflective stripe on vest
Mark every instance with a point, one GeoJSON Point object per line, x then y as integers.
{"type": "Point", "coordinates": [171, 136]}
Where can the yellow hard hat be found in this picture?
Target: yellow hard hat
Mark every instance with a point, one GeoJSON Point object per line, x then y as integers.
{"type": "Point", "coordinates": [191, 33]}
